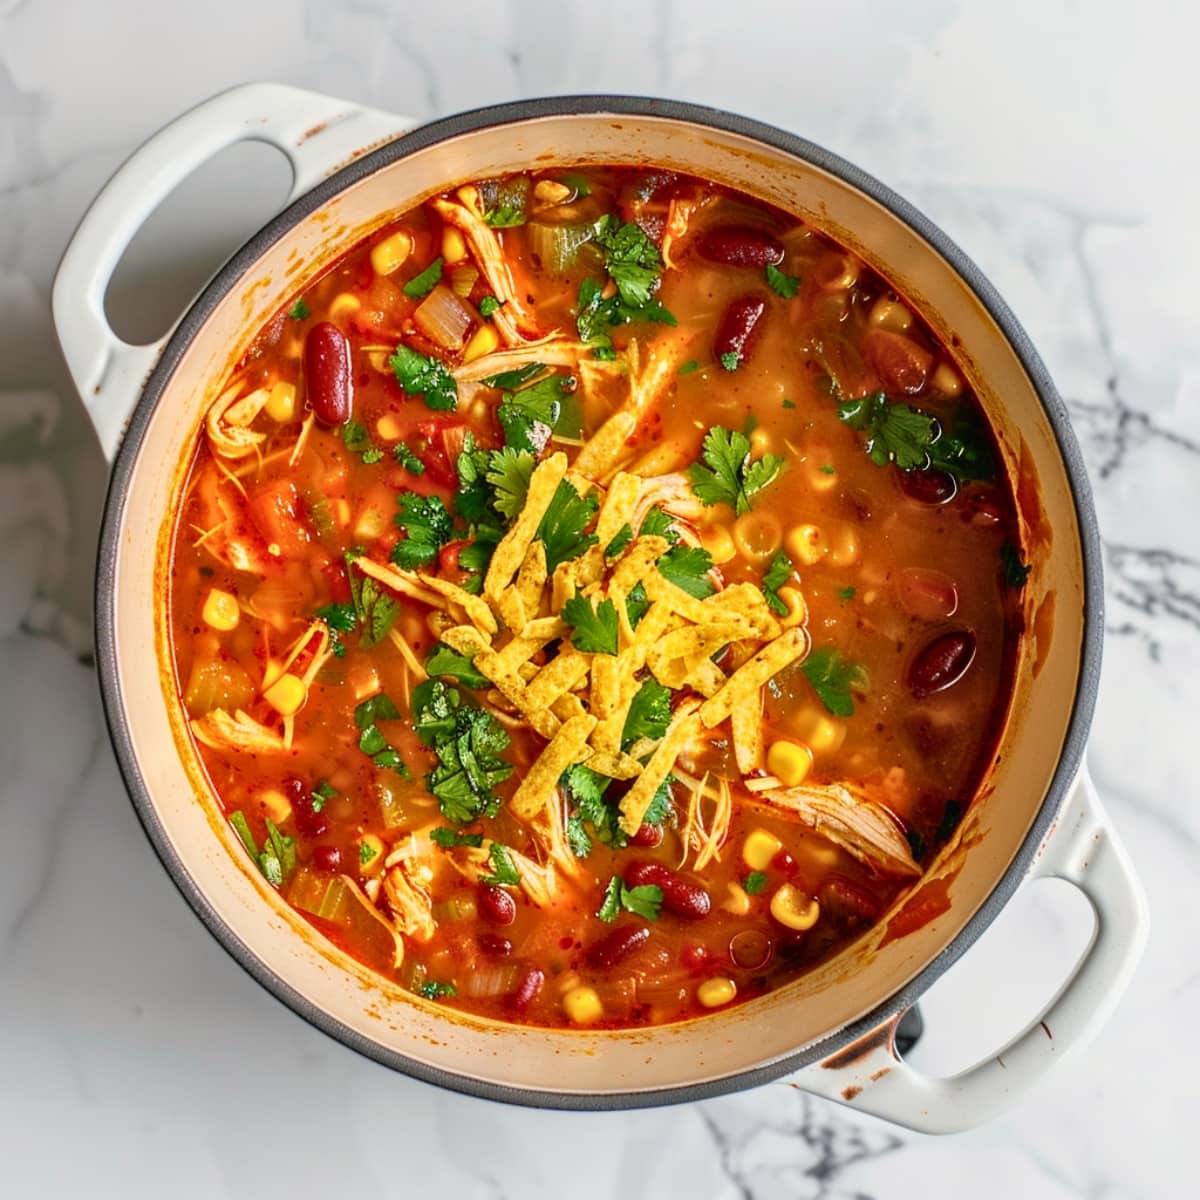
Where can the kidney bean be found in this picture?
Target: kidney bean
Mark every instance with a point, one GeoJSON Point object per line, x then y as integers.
{"type": "Point", "coordinates": [942, 663]}
{"type": "Point", "coordinates": [647, 836]}
{"type": "Point", "coordinates": [738, 327]}
{"type": "Point", "coordinates": [902, 364]}
{"type": "Point", "coordinates": [683, 899]}
{"type": "Point", "coordinates": [750, 949]}
{"type": "Point", "coordinates": [928, 594]}
{"type": "Point", "coordinates": [694, 956]}
{"type": "Point", "coordinates": [983, 507]}
{"type": "Point", "coordinates": [928, 486]}
{"type": "Point", "coordinates": [615, 946]}
{"type": "Point", "coordinates": [848, 905]}
{"type": "Point", "coordinates": [524, 994]}
{"type": "Point", "coordinates": [741, 246]}
{"type": "Point", "coordinates": [327, 373]}
{"type": "Point", "coordinates": [309, 821]}
{"type": "Point", "coordinates": [496, 905]}
{"type": "Point", "coordinates": [494, 944]}
{"type": "Point", "coordinates": [327, 858]}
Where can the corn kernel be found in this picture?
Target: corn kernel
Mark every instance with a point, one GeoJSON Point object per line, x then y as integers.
{"type": "Point", "coordinates": [286, 695]}
{"type": "Point", "coordinates": [759, 848]}
{"type": "Point", "coordinates": [737, 902]}
{"type": "Point", "coordinates": [713, 993]}
{"type": "Point", "coordinates": [820, 474]}
{"type": "Point", "coordinates": [760, 442]}
{"type": "Point", "coordinates": [370, 854]}
{"type": "Point", "coordinates": [392, 253]}
{"type": "Point", "coordinates": [757, 535]}
{"type": "Point", "coordinates": [890, 314]}
{"type": "Point", "coordinates": [371, 524]}
{"type": "Point", "coordinates": [806, 544]}
{"type": "Point", "coordinates": [343, 306]}
{"type": "Point", "coordinates": [945, 381]}
{"type": "Point", "coordinates": [582, 1005]}
{"type": "Point", "coordinates": [275, 805]}
{"type": "Point", "coordinates": [454, 246]}
{"type": "Point", "coordinates": [550, 191]}
{"type": "Point", "coordinates": [789, 762]}
{"type": "Point", "coordinates": [341, 511]}
{"type": "Point", "coordinates": [797, 609]}
{"type": "Point", "coordinates": [221, 611]}
{"type": "Point", "coordinates": [483, 341]}
{"type": "Point", "coordinates": [718, 541]}
{"type": "Point", "coordinates": [845, 549]}
{"type": "Point", "coordinates": [826, 736]}
{"type": "Point", "coordinates": [388, 427]}
{"type": "Point", "coordinates": [281, 402]}
{"type": "Point", "coordinates": [794, 909]}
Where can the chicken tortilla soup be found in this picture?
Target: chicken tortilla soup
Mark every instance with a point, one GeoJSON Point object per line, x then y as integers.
{"type": "Point", "coordinates": [594, 599]}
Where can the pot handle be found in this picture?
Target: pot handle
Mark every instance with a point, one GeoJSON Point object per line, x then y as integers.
{"type": "Point", "coordinates": [318, 134]}
{"type": "Point", "coordinates": [1083, 849]}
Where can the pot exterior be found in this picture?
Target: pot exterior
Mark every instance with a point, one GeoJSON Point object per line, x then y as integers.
{"type": "Point", "coordinates": [1036, 760]}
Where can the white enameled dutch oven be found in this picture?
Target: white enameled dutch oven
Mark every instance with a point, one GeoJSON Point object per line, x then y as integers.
{"type": "Point", "coordinates": [1037, 814]}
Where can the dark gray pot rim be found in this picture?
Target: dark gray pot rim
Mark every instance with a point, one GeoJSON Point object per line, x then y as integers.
{"type": "Point", "coordinates": [229, 276]}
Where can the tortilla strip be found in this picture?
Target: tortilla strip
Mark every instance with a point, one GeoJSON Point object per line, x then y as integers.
{"type": "Point", "coordinates": [606, 447]}
{"type": "Point", "coordinates": [511, 551]}
{"type": "Point", "coordinates": [685, 724]}
{"type": "Point", "coordinates": [769, 661]}
{"type": "Point", "coordinates": [544, 629]}
{"type": "Point", "coordinates": [617, 509]}
{"type": "Point", "coordinates": [465, 640]}
{"type": "Point", "coordinates": [531, 579]}
{"type": "Point", "coordinates": [541, 779]}
{"type": "Point", "coordinates": [707, 678]}
{"type": "Point", "coordinates": [675, 657]}
{"type": "Point", "coordinates": [557, 678]}
{"type": "Point", "coordinates": [615, 766]}
{"type": "Point", "coordinates": [552, 351]}
{"type": "Point", "coordinates": [606, 685]}
{"type": "Point", "coordinates": [474, 606]}
{"type": "Point", "coordinates": [566, 707]}
{"type": "Point", "coordinates": [638, 562]}
{"type": "Point", "coordinates": [657, 377]}
{"type": "Point", "coordinates": [512, 609]}
{"type": "Point", "coordinates": [562, 585]}
{"type": "Point", "coordinates": [685, 604]}
{"type": "Point", "coordinates": [745, 603]}
{"type": "Point", "coordinates": [400, 581]}
{"type": "Point", "coordinates": [746, 723]}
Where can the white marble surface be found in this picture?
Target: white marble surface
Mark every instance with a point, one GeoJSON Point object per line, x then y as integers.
{"type": "Point", "coordinates": [1055, 141]}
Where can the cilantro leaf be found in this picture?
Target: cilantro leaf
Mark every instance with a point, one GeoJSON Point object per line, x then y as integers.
{"type": "Point", "coordinates": [687, 567]}
{"type": "Point", "coordinates": [372, 455]}
{"type": "Point", "coordinates": [299, 311]}
{"type": "Point", "coordinates": [448, 839]}
{"type": "Point", "coordinates": [433, 989]}
{"type": "Point", "coordinates": [631, 258]}
{"type": "Point", "coordinates": [528, 416]}
{"type": "Point", "coordinates": [562, 527]}
{"type": "Point", "coordinates": [421, 375]}
{"type": "Point", "coordinates": [446, 662]}
{"type": "Point", "coordinates": [754, 883]}
{"type": "Point", "coordinates": [649, 713]}
{"type": "Point", "coordinates": [472, 501]}
{"type": "Point", "coordinates": [657, 523]}
{"type": "Point", "coordinates": [577, 836]}
{"type": "Point", "coordinates": [278, 858]}
{"type": "Point", "coordinates": [427, 527]}
{"type": "Point", "coordinates": [366, 853]}
{"type": "Point", "coordinates": [378, 708]}
{"type": "Point", "coordinates": [660, 803]}
{"type": "Point", "coordinates": [688, 367]}
{"type": "Point", "coordinates": [355, 436]}
{"type": "Point", "coordinates": [727, 475]}
{"type": "Point", "coordinates": [846, 594]}
{"type": "Point", "coordinates": [242, 829]}
{"type": "Point", "coordinates": [963, 452]}
{"type": "Point", "coordinates": [341, 618]}
{"type": "Point", "coordinates": [643, 901]}
{"type": "Point", "coordinates": [1015, 571]}
{"type": "Point", "coordinates": [832, 677]}
{"type": "Point", "coordinates": [510, 381]}
{"type": "Point", "coordinates": [504, 216]}
{"type": "Point", "coordinates": [421, 285]}
{"type": "Point", "coordinates": [509, 472]}
{"type": "Point", "coordinates": [322, 792]}
{"type": "Point", "coordinates": [594, 631]}
{"type": "Point", "coordinates": [488, 306]}
{"type": "Point", "coordinates": [730, 360]}
{"type": "Point", "coordinates": [595, 316]}
{"type": "Point", "coordinates": [778, 573]}
{"type": "Point", "coordinates": [505, 873]}
{"type": "Point", "coordinates": [620, 541]}
{"type": "Point", "coordinates": [896, 433]}
{"type": "Point", "coordinates": [610, 906]}
{"type": "Point", "coordinates": [586, 789]}
{"type": "Point", "coordinates": [636, 604]}
{"type": "Point", "coordinates": [782, 284]}
{"type": "Point", "coordinates": [375, 609]}
{"type": "Point", "coordinates": [407, 459]}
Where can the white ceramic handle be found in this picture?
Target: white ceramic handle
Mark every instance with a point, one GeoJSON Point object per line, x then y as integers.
{"type": "Point", "coordinates": [318, 134]}
{"type": "Point", "coordinates": [1082, 849]}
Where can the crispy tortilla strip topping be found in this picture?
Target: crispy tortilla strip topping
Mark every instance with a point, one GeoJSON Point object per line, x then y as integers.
{"type": "Point", "coordinates": [746, 724]}
{"type": "Point", "coordinates": [849, 819]}
{"type": "Point", "coordinates": [466, 640]}
{"type": "Point", "coordinates": [476, 609]}
{"type": "Point", "coordinates": [677, 656]}
{"type": "Point", "coordinates": [511, 551]}
{"type": "Point", "coordinates": [531, 579]}
{"type": "Point", "coordinates": [608, 446]}
{"type": "Point", "coordinates": [618, 507]}
{"type": "Point", "coordinates": [563, 674]}
{"type": "Point", "coordinates": [769, 661]}
{"type": "Point", "coordinates": [685, 724]}
{"type": "Point", "coordinates": [615, 766]}
{"type": "Point", "coordinates": [512, 608]}
{"type": "Point", "coordinates": [541, 781]}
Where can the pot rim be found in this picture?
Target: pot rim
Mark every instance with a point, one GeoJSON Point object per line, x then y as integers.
{"type": "Point", "coordinates": [424, 136]}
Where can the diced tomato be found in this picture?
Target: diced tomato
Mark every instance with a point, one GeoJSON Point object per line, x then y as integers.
{"type": "Point", "coordinates": [443, 443]}
{"type": "Point", "coordinates": [277, 512]}
{"type": "Point", "coordinates": [448, 566]}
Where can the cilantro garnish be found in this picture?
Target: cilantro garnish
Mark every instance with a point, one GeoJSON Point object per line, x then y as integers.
{"type": "Point", "coordinates": [509, 472]}
{"type": "Point", "coordinates": [444, 662]}
{"type": "Point", "coordinates": [528, 416]}
{"type": "Point", "coordinates": [488, 306]}
{"type": "Point", "coordinates": [504, 216]}
{"type": "Point", "coordinates": [778, 573]}
{"type": "Point", "coordinates": [846, 594]}
{"type": "Point", "coordinates": [468, 742]}
{"type": "Point", "coordinates": [1015, 571]}
{"type": "Point", "coordinates": [649, 713]}
{"type": "Point", "coordinates": [688, 367]}
{"type": "Point", "coordinates": [427, 527]}
{"type": "Point", "coordinates": [963, 453]}
{"type": "Point", "coordinates": [657, 523]}
{"type": "Point", "coordinates": [358, 441]}
{"type": "Point", "coordinates": [789, 403]}
{"type": "Point", "coordinates": [472, 501]}
{"type": "Point", "coordinates": [340, 618]}
{"type": "Point", "coordinates": [433, 989]}
{"type": "Point", "coordinates": [379, 707]}
{"type": "Point", "coordinates": [593, 630]}
{"type": "Point", "coordinates": [728, 475]}
{"type": "Point", "coordinates": [299, 311]}
{"type": "Point", "coordinates": [782, 284]}
{"type": "Point", "coordinates": [916, 843]}
{"type": "Point", "coordinates": [687, 567]}
{"type": "Point", "coordinates": [518, 377]}
{"type": "Point", "coordinates": [448, 839]}
{"type": "Point", "coordinates": [631, 259]}
{"type": "Point", "coordinates": [643, 901]}
{"type": "Point", "coordinates": [373, 607]}
{"type": "Point", "coordinates": [730, 360]}
{"type": "Point", "coordinates": [754, 883]}
{"type": "Point", "coordinates": [504, 870]}
{"type": "Point", "coordinates": [421, 285]}
{"type": "Point", "coordinates": [896, 433]}
{"type": "Point", "coordinates": [421, 375]}
{"type": "Point", "coordinates": [407, 459]}
{"type": "Point", "coordinates": [620, 541]}
{"type": "Point", "coordinates": [366, 853]}
{"type": "Point", "coordinates": [660, 803]}
{"type": "Point", "coordinates": [577, 836]}
{"type": "Point", "coordinates": [277, 859]}
{"type": "Point", "coordinates": [242, 828]}
{"type": "Point", "coordinates": [371, 740]}
{"type": "Point", "coordinates": [320, 794]}
{"type": "Point", "coordinates": [586, 789]}
{"type": "Point", "coordinates": [636, 604]}
{"type": "Point", "coordinates": [832, 677]}
{"type": "Point", "coordinates": [562, 527]}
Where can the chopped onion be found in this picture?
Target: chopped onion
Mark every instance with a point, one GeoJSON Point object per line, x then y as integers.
{"type": "Point", "coordinates": [462, 279]}
{"type": "Point", "coordinates": [443, 318]}
{"type": "Point", "coordinates": [556, 245]}
{"type": "Point", "coordinates": [491, 979]}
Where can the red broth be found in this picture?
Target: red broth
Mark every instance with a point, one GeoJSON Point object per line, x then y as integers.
{"type": "Point", "coordinates": [817, 471]}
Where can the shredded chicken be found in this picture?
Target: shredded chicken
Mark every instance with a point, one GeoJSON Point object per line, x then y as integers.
{"type": "Point", "coordinates": [705, 834]}
{"type": "Point", "coordinates": [539, 881]}
{"type": "Point", "coordinates": [240, 732]}
{"type": "Point", "coordinates": [673, 494]}
{"type": "Point", "coordinates": [552, 351]}
{"type": "Point", "coordinates": [850, 819]}
{"type": "Point", "coordinates": [229, 418]}
{"type": "Point", "coordinates": [406, 887]}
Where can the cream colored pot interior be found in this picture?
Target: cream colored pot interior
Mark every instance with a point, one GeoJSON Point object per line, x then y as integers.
{"type": "Point", "coordinates": [765, 1030]}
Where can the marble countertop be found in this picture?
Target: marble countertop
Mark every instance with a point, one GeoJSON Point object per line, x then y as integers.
{"type": "Point", "coordinates": [1053, 140]}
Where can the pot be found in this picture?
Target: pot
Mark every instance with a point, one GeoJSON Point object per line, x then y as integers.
{"type": "Point", "coordinates": [833, 1030]}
